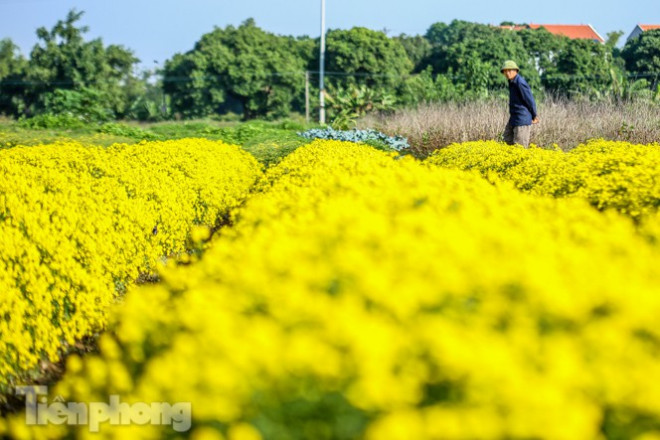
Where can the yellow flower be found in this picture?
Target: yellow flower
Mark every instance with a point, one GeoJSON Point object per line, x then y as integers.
{"type": "Point", "coordinates": [359, 296]}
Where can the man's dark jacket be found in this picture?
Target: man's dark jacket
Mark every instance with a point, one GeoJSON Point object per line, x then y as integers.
{"type": "Point", "coordinates": [522, 108]}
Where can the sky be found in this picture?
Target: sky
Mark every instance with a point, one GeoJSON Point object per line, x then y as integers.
{"type": "Point", "coordinates": [157, 29]}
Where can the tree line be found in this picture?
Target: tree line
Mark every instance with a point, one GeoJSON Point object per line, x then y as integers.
{"type": "Point", "coordinates": [253, 73]}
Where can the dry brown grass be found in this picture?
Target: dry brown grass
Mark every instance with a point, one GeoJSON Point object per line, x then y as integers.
{"type": "Point", "coordinates": [566, 123]}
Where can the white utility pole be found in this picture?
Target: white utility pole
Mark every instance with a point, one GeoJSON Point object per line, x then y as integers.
{"type": "Point", "coordinates": [322, 67]}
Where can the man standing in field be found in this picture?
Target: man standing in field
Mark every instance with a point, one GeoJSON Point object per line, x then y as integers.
{"type": "Point", "coordinates": [522, 108]}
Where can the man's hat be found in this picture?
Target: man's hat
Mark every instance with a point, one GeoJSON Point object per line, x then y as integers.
{"type": "Point", "coordinates": [509, 65]}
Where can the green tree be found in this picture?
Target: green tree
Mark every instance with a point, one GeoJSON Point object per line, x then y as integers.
{"type": "Point", "coordinates": [245, 68]}
{"type": "Point", "coordinates": [612, 41]}
{"type": "Point", "coordinates": [543, 47]}
{"type": "Point", "coordinates": [624, 89]}
{"type": "Point", "coordinates": [642, 54]}
{"type": "Point", "coordinates": [472, 53]}
{"type": "Point", "coordinates": [64, 60]}
{"type": "Point", "coordinates": [425, 87]}
{"type": "Point", "coordinates": [583, 67]}
{"type": "Point", "coordinates": [417, 47]}
{"type": "Point", "coordinates": [366, 57]}
{"type": "Point", "coordinates": [306, 48]}
{"type": "Point", "coordinates": [11, 60]}
{"type": "Point", "coordinates": [147, 100]}
{"type": "Point", "coordinates": [12, 68]}
{"type": "Point", "coordinates": [85, 103]}
{"type": "Point", "coordinates": [194, 84]}
{"type": "Point", "coordinates": [613, 38]}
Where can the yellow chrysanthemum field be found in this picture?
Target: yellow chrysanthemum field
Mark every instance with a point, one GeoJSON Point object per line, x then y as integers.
{"type": "Point", "coordinates": [78, 223]}
{"type": "Point", "coordinates": [487, 292]}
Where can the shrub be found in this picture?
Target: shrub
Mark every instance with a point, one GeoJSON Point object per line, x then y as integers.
{"type": "Point", "coordinates": [129, 131]}
{"type": "Point", "coordinates": [52, 121]}
{"type": "Point", "coordinates": [90, 105]}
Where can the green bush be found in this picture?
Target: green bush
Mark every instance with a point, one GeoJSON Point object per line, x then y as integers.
{"type": "Point", "coordinates": [125, 130]}
{"type": "Point", "coordinates": [87, 104]}
{"type": "Point", "coordinates": [52, 121]}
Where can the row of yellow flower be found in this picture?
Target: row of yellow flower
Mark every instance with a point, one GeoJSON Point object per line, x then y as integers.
{"type": "Point", "coordinates": [360, 296]}
{"type": "Point", "coordinates": [610, 175]}
{"type": "Point", "coordinates": [78, 223]}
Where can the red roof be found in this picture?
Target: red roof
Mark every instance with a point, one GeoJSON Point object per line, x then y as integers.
{"type": "Point", "coordinates": [648, 27]}
{"type": "Point", "coordinates": [569, 30]}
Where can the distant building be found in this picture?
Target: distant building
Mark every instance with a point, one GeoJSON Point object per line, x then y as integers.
{"type": "Point", "coordinates": [573, 31]}
{"type": "Point", "coordinates": [641, 28]}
